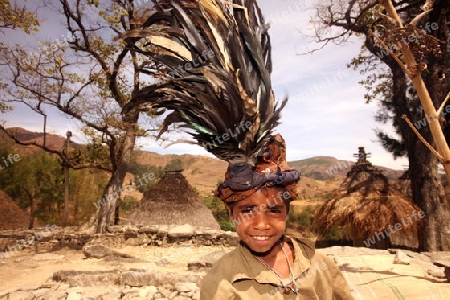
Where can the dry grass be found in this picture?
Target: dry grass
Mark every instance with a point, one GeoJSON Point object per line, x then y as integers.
{"type": "Point", "coordinates": [365, 215]}
{"type": "Point", "coordinates": [367, 204]}
{"type": "Point", "coordinates": [172, 201]}
{"type": "Point", "coordinates": [12, 216]}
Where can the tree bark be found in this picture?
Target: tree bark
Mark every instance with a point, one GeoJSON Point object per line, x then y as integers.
{"type": "Point", "coordinates": [113, 189]}
{"type": "Point", "coordinates": [30, 196]}
{"type": "Point", "coordinates": [437, 134]}
{"type": "Point", "coordinates": [427, 190]}
{"type": "Point", "coordinates": [426, 185]}
{"type": "Point", "coordinates": [431, 195]}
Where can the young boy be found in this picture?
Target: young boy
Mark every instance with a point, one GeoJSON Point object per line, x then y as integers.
{"type": "Point", "coordinates": [267, 264]}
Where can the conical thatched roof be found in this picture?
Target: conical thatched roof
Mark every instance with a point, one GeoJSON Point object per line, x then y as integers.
{"type": "Point", "coordinates": [403, 184]}
{"type": "Point", "coordinates": [367, 204]}
{"type": "Point", "coordinates": [12, 216]}
{"type": "Point", "coordinates": [172, 201]}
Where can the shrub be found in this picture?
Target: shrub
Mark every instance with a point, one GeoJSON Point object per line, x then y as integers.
{"type": "Point", "coordinates": [219, 212]}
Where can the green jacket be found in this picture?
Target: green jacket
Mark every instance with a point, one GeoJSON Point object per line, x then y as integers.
{"type": "Point", "coordinates": [239, 275]}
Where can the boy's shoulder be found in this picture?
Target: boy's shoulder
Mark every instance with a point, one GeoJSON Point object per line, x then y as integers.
{"type": "Point", "coordinates": [229, 260]}
{"type": "Point", "coordinates": [225, 268]}
{"type": "Point", "coordinates": [307, 246]}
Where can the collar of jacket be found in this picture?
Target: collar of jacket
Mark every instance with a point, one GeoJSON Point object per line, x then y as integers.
{"type": "Point", "coordinates": [252, 269]}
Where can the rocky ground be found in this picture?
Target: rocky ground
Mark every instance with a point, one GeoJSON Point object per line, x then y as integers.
{"type": "Point", "coordinates": [143, 273]}
{"type": "Point", "coordinates": [174, 272]}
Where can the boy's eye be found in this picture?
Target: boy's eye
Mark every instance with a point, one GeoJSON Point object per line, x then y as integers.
{"type": "Point", "coordinates": [247, 210]}
{"type": "Point", "coordinates": [275, 211]}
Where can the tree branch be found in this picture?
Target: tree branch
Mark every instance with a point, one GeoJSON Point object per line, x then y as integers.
{"type": "Point", "coordinates": [60, 154]}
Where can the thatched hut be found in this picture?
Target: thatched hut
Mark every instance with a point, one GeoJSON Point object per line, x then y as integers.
{"type": "Point", "coordinates": [375, 213]}
{"type": "Point", "coordinates": [403, 184]}
{"type": "Point", "coordinates": [172, 201]}
{"type": "Point", "coordinates": [12, 216]}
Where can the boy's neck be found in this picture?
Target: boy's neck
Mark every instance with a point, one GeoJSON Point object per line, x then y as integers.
{"type": "Point", "coordinates": [275, 258]}
{"type": "Point", "coordinates": [271, 255]}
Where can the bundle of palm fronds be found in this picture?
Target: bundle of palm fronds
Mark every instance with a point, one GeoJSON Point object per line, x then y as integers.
{"type": "Point", "coordinates": [216, 60]}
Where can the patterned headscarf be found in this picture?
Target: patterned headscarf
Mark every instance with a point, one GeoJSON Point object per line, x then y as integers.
{"type": "Point", "coordinates": [270, 169]}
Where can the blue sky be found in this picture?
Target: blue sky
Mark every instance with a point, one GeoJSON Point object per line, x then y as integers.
{"type": "Point", "coordinates": [326, 114]}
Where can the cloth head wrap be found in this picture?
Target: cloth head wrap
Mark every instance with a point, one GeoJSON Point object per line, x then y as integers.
{"type": "Point", "coordinates": [270, 169]}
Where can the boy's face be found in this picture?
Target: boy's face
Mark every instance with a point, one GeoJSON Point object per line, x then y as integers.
{"type": "Point", "coordinates": [260, 219]}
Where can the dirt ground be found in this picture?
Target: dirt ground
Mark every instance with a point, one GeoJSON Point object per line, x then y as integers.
{"type": "Point", "coordinates": [26, 268]}
{"type": "Point", "coordinates": [371, 275]}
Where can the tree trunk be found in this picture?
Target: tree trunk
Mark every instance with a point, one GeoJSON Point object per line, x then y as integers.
{"type": "Point", "coordinates": [426, 185]}
{"type": "Point", "coordinates": [31, 198]}
{"type": "Point", "coordinates": [117, 213]}
{"type": "Point", "coordinates": [31, 223]}
{"type": "Point", "coordinates": [113, 189]}
{"type": "Point", "coordinates": [429, 103]}
{"type": "Point", "coordinates": [433, 199]}
{"type": "Point", "coordinates": [429, 195]}
{"type": "Point", "coordinates": [427, 190]}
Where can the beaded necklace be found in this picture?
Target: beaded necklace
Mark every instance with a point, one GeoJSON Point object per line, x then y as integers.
{"type": "Point", "coordinates": [287, 288]}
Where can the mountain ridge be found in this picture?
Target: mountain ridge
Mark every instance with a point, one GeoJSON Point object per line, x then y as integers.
{"type": "Point", "coordinates": [204, 173]}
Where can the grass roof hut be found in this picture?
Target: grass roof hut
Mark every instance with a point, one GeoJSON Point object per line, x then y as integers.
{"type": "Point", "coordinates": [172, 201]}
{"type": "Point", "coordinates": [12, 216]}
{"type": "Point", "coordinates": [375, 213]}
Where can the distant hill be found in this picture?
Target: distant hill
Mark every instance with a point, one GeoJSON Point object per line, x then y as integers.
{"type": "Point", "coordinates": [327, 168]}
{"type": "Point", "coordinates": [202, 172]}
{"type": "Point", "coordinates": [52, 141]}
{"type": "Point", "coordinates": [320, 174]}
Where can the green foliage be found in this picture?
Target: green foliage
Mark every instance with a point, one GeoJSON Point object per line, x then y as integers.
{"type": "Point", "coordinates": [13, 18]}
{"type": "Point", "coordinates": [219, 212]}
{"type": "Point", "coordinates": [303, 220]}
{"type": "Point", "coordinates": [175, 164]}
{"type": "Point", "coordinates": [336, 233]}
{"type": "Point", "coordinates": [36, 182]}
{"type": "Point", "coordinates": [146, 176]}
{"type": "Point", "coordinates": [86, 188]}
{"type": "Point", "coordinates": [127, 204]}
{"type": "Point", "coordinates": [17, 17]}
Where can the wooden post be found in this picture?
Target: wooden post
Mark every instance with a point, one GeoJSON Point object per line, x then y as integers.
{"type": "Point", "coordinates": [66, 181]}
{"type": "Point", "coordinates": [422, 91]}
{"type": "Point", "coordinates": [45, 129]}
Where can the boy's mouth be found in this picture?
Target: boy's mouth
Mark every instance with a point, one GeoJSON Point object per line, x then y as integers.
{"type": "Point", "coordinates": [261, 237]}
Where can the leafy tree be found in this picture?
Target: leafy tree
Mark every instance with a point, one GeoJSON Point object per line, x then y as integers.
{"type": "Point", "coordinates": [145, 176]}
{"type": "Point", "coordinates": [34, 182]}
{"type": "Point", "coordinates": [86, 187]}
{"type": "Point", "coordinates": [304, 219]}
{"type": "Point", "coordinates": [219, 212]}
{"type": "Point", "coordinates": [174, 164]}
{"type": "Point", "coordinates": [90, 77]}
{"type": "Point", "coordinates": [15, 17]}
{"type": "Point", "coordinates": [389, 85]}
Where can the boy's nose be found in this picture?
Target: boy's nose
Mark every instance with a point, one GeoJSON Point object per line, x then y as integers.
{"type": "Point", "coordinates": [260, 221]}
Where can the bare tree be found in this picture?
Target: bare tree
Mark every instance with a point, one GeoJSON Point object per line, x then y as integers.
{"type": "Point", "coordinates": [90, 77]}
